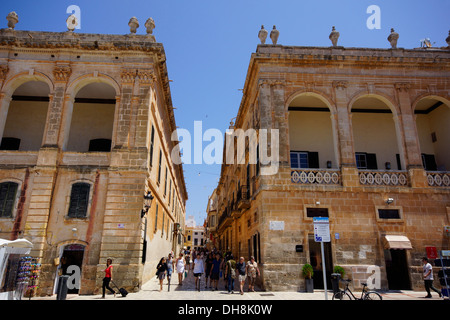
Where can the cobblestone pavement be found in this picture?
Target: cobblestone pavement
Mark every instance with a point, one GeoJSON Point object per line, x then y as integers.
{"type": "Point", "coordinates": [150, 291]}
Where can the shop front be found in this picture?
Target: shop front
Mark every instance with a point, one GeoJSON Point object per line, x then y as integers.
{"type": "Point", "coordinates": [16, 269]}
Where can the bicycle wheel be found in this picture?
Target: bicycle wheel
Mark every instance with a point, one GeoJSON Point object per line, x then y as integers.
{"type": "Point", "coordinates": [371, 295]}
{"type": "Point", "coordinates": [341, 295]}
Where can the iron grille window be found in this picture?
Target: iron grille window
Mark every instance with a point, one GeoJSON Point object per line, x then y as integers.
{"type": "Point", "coordinates": [316, 212]}
{"type": "Point", "coordinates": [388, 214]}
{"type": "Point", "coordinates": [79, 200]}
{"type": "Point", "coordinates": [8, 192]}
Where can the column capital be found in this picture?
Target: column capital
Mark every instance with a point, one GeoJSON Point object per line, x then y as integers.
{"type": "Point", "coordinates": [340, 84]}
{"type": "Point", "coordinates": [402, 86]}
{"type": "Point", "coordinates": [61, 73]}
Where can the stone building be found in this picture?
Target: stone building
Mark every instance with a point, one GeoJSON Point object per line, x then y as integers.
{"type": "Point", "coordinates": [85, 128]}
{"type": "Point", "coordinates": [211, 222]}
{"type": "Point", "coordinates": [363, 140]}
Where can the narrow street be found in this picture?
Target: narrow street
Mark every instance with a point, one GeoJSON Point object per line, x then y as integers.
{"type": "Point", "coordinates": [150, 291]}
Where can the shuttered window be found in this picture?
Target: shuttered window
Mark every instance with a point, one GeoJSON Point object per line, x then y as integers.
{"type": "Point", "coordinates": [79, 200]}
{"type": "Point", "coordinates": [8, 192]}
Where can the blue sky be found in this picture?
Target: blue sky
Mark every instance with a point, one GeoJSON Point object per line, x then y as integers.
{"type": "Point", "coordinates": [208, 46]}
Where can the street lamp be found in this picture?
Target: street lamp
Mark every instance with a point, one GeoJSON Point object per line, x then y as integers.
{"type": "Point", "coordinates": [147, 203]}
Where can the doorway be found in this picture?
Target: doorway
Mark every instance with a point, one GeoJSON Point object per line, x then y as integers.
{"type": "Point", "coordinates": [315, 257]}
{"type": "Point", "coordinates": [72, 255]}
{"type": "Point", "coordinates": [397, 269]}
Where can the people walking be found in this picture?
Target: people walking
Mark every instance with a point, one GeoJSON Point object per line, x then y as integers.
{"type": "Point", "coordinates": [428, 278]}
{"type": "Point", "coordinates": [107, 279]}
{"type": "Point", "coordinates": [180, 268]}
{"type": "Point", "coordinates": [199, 269]}
{"type": "Point", "coordinates": [169, 263]}
{"type": "Point", "coordinates": [240, 267]}
{"type": "Point", "coordinates": [215, 272]}
{"type": "Point", "coordinates": [252, 272]}
{"type": "Point", "coordinates": [230, 272]}
{"type": "Point", "coordinates": [161, 272]}
{"type": "Point", "coordinates": [208, 263]}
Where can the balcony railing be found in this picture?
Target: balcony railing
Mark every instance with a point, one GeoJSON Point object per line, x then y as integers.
{"type": "Point", "coordinates": [383, 178]}
{"type": "Point", "coordinates": [438, 178]}
{"type": "Point", "coordinates": [316, 176]}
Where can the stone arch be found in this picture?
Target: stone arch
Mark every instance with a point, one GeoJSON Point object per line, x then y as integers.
{"type": "Point", "coordinates": [12, 110]}
{"type": "Point", "coordinates": [78, 83]}
{"type": "Point", "coordinates": [328, 139]}
{"type": "Point", "coordinates": [18, 79]}
{"type": "Point", "coordinates": [431, 117]}
{"type": "Point", "coordinates": [79, 135]}
{"type": "Point", "coordinates": [314, 93]}
{"type": "Point", "coordinates": [441, 96]}
{"type": "Point", "coordinates": [372, 132]}
{"type": "Point", "coordinates": [390, 103]}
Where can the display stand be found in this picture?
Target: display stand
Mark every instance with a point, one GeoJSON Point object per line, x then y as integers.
{"type": "Point", "coordinates": [23, 277]}
{"type": "Point", "coordinates": [30, 274]}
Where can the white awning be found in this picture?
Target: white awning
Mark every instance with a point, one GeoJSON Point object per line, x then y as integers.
{"type": "Point", "coordinates": [396, 242]}
{"type": "Point", "coordinates": [19, 243]}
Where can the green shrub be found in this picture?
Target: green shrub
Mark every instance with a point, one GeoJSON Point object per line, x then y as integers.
{"type": "Point", "coordinates": [307, 271]}
{"type": "Point", "coordinates": [339, 269]}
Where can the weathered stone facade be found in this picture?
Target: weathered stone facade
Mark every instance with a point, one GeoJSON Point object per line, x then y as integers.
{"type": "Point", "coordinates": [112, 88]}
{"type": "Point", "coordinates": [341, 106]}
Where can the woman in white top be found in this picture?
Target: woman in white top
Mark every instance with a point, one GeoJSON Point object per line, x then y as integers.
{"type": "Point", "coordinates": [180, 268]}
{"type": "Point", "coordinates": [199, 268]}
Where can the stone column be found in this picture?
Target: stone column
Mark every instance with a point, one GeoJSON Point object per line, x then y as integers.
{"type": "Point", "coordinates": [281, 121]}
{"type": "Point", "coordinates": [347, 160]}
{"type": "Point", "coordinates": [5, 100]}
{"type": "Point", "coordinates": [407, 137]}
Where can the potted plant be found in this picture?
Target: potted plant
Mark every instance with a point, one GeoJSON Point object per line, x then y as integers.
{"type": "Point", "coordinates": [340, 270]}
{"type": "Point", "coordinates": [308, 273]}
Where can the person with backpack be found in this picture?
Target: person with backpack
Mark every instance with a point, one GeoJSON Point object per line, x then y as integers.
{"type": "Point", "coordinates": [230, 273]}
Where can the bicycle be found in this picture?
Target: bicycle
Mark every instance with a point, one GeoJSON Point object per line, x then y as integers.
{"type": "Point", "coordinates": [347, 294]}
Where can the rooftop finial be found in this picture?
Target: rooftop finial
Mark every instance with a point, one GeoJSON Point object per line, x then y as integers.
{"type": "Point", "coordinates": [72, 22]}
{"type": "Point", "coordinates": [262, 35]}
{"type": "Point", "coordinates": [133, 24]}
{"type": "Point", "coordinates": [12, 18]}
{"type": "Point", "coordinates": [334, 36]}
{"type": "Point", "coordinates": [393, 37]}
{"type": "Point", "coordinates": [274, 35]}
{"type": "Point", "coordinates": [448, 39]}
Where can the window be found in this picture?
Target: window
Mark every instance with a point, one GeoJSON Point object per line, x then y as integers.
{"type": "Point", "coordinates": [156, 218]}
{"type": "Point", "coordinates": [366, 160]}
{"type": "Point", "coordinates": [361, 161]}
{"type": "Point", "coordinates": [389, 214]}
{"type": "Point", "coordinates": [316, 212]}
{"type": "Point", "coordinates": [165, 184]}
{"type": "Point", "coordinates": [79, 200]}
{"type": "Point", "coordinates": [10, 144]}
{"type": "Point", "coordinates": [152, 140]}
{"type": "Point", "coordinates": [159, 168]}
{"type": "Point", "coordinates": [304, 159]}
{"type": "Point", "coordinates": [8, 192]}
{"type": "Point", "coordinates": [429, 162]}
{"type": "Point", "coordinates": [100, 145]}
{"type": "Point", "coordinates": [299, 160]}
{"type": "Point", "coordinates": [189, 238]}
